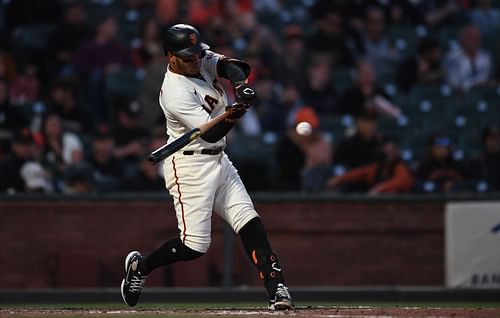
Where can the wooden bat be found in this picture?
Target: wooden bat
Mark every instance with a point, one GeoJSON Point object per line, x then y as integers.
{"type": "Point", "coordinates": [168, 149]}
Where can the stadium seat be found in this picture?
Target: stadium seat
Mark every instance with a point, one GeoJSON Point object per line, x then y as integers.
{"type": "Point", "coordinates": [448, 37]}
{"type": "Point", "coordinates": [125, 82]}
{"type": "Point", "coordinates": [343, 78]}
{"type": "Point", "coordinates": [32, 37]}
{"type": "Point", "coordinates": [405, 39]}
{"type": "Point", "coordinates": [98, 10]}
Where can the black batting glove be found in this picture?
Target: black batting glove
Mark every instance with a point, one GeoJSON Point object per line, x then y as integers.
{"type": "Point", "coordinates": [244, 94]}
{"type": "Point", "coordinates": [237, 111]}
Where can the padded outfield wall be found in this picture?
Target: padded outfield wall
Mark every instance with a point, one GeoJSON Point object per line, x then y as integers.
{"type": "Point", "coordinates": [321, 241]}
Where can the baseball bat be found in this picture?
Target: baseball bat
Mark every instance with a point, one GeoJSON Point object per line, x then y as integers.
{"type": "Point", "coordinates": [168, 149]}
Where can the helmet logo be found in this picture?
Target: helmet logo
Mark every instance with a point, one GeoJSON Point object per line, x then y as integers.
{"type": "Point", "coordinates": [194, 38]}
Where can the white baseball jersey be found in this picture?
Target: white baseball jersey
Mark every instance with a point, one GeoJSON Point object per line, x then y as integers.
{"type": "Point", "coordinates": [188, 102]}
{"type": "Point", "coordinates": [200, 183]}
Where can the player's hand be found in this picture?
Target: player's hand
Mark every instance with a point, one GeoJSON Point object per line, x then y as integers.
{"type": "Point", "coordinates": [244, 94]}
{"type": "Point", "coordinates": [237, 110]}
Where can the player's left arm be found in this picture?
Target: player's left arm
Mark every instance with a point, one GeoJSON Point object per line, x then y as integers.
{"type": "Point", "coordinates": [245, 100]}
{"type": "Point", "coordinates": [236, 72]}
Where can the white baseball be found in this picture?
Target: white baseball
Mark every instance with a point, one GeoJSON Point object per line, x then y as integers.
{"type": "Point", "coordinates": [303, 128]}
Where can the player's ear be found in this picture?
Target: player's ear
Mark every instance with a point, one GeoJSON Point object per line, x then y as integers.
{"type": "Point", "coordinates": [171, 58]}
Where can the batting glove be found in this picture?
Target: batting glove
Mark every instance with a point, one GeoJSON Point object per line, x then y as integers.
{"type": "Point", "coordinates": [244, 94]}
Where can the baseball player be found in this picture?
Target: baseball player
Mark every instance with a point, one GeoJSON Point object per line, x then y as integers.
{"type": "Point", "coordinates": [200, 177]}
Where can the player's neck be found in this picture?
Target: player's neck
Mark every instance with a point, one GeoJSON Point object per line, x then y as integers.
{"type": "Point", "coordinates": [173, 69]}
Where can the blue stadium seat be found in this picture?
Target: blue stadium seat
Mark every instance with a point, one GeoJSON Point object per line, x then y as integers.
{"type": "Point", "coordinates": [406, 38]}
{"type": "Point", "coordinates": [32, 37]}
{"type": "Point", "coordinates": [126, 82]}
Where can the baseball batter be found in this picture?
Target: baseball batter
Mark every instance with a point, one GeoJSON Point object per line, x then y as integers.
{"type": "Point", "coordinates": [200, 177]}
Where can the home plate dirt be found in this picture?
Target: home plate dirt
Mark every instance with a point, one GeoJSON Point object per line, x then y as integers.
{"type": "Point", "coordinates": [375, 312]}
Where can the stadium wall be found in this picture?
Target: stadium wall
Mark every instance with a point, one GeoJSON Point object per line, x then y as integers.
{"type": "Point", "coordinates": [81, 241]}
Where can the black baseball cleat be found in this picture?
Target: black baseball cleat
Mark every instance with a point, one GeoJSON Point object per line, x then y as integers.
{"type": "Point", "coordinates": [282, 299]}
{"type": "Point", "coordinates": [131, 287]}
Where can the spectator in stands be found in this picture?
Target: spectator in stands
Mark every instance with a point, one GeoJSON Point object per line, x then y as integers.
{"type": "Point", "coordinates": [78, 179]}
{"type": "Point", "coordinates": [103, 52]}
{"type": "Point", "coordinates": [360, 148]}
{"type": "Point", "coordinates": [22, 151]}
{"type": "Point", "coordinates": [304, 160]}
{"type": "Point", "coordinates": [293, 62]}
{"type": "Point", "coordinates": [7, 66]}
{"type": "Point", "coordinates": [329, 36]}
{"type": "Point", "coordinates": [468, 65]}
{"type": "Point", "coordinates": [167, 11]}
{"type": "Point", "coordinates": [270, 109]}
{"type": "Point", "coordinates": [64, 102]}
{"type": "Point", "coordinates": [377, 44]}
{"type": "Point", "coordinates": [150, 48]}
{"type": "Point", "coordinates": [319, 90]}
{"type": "Point", "coordinates": [149, 55]}
{"type": "Point", "coordinates": [36, 178]}
{"type": "Point", "coordinates": [401, 13]}
{"type": "Point", "coordinates": [388, 174]}
{"type": "Point", "coordinates": [146, 179]}
{"type": "Point", "coordinates": [422, 68]}
{"type": "Point", "coordinates": [292, 102]}
{"type": "Point", "coordinates": [25, 87]}
{"type": "Point", "coordinates": [438, 171]}
{"type": "Point", "coordinates": [96, 59]}
{"type": "Point", "coordinates": [106, 169]}
{"type": "Point", "coordinates": [130, 137]}
{"type": "Point", "coordinates": [486, 17]}
{"type": "Point", "coordinates": [440, 13]}
{"type": "Point", "coordinates": [60, 148]}
{"type": "Point", "coordinates": [11, 118]}
{"type": "Point", "coordinates": [365, 96]}
{"type": "Point", "coordinates": [66, 38]}
{"type": "Point", "coordinates": [486, 166]}
{"type": "Point", "coordinates": [31, 12]}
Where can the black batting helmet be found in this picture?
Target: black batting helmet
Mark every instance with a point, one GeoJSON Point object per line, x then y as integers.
{"type": "Point", "coordinates": [183, 40]}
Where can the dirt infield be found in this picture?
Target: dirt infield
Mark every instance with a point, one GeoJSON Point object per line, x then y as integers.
{"type": "Point", "coordinates": [372, 312]}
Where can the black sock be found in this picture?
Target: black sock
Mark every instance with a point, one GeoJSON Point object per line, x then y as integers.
{"type": "Point", "coordinates": [254, 238]}
{"type": "Point", "coordinates": [253, 235]}
{"type": "Point", "coordinates": [170, 252]}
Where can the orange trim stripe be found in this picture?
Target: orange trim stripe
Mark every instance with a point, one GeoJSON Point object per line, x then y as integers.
{"type": "Point", "coordinates": [254, 257]}
{"type": "Point", "coordinates": [180, 201]}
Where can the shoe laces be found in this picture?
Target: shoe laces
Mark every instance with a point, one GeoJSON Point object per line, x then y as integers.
{"type": "Point", "coordinates": [282, 292]}
{"type": "Point", "coordinates": [136, 283]}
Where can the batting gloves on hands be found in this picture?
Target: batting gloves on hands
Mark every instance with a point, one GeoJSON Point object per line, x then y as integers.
{"type": "Point", "coordinates": [244, 94]}
{"type": "Point", "coordinates": [244, 98]}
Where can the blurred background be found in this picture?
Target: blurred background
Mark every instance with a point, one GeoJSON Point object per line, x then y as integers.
{"type": "Point", "coordinates": [403, 98]}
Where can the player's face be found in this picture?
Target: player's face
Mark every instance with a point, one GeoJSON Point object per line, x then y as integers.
{"type": "Point", "coordinates": [189, 66]}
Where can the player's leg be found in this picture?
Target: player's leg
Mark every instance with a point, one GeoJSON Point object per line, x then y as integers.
{"type": "Point", "coordinates": [190, 183]}
{"type": "Point", "coordinates": [256, 244]}
{"type": "Point", "coordinates": [234, 204]}
{"type": "Point", "coordinates": [137, 267]}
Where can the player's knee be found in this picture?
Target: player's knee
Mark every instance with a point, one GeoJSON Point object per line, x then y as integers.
{"type": "Point", "coordinates": [199, 246]}
{"type": "Point", "coordinates": [192, 254]}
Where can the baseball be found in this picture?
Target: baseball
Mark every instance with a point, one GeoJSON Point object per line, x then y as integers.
{"type": "Point", "coordinates": [303, 128]}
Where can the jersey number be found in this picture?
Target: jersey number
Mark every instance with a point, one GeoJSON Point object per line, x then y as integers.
{"type": "Point", "coordinates": [212, 102]}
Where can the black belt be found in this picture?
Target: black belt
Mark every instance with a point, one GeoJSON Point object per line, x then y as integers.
{"type": "Point", "coordinates": [203, 152]}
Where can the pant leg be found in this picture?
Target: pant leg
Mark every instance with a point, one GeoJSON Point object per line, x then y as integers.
{"type": "Point", "coordinates": [192, 183]}
{"type": "Point", "coordinates": [232, 201]}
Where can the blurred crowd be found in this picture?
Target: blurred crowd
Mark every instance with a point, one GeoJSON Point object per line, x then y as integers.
{"type": "Point", "coordinates": [79, 84]}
